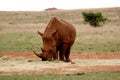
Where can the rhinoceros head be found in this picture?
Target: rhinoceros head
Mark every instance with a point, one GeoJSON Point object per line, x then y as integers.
{"type": "Point", "coordinates": [49, 45]}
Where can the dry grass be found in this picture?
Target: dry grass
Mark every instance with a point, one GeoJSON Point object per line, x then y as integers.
{"type": "Point", "coordinates": [21, 65]}
{"type": "Point", "coordinates": [88, 38]}
{"type": "Point", "coordinates": [26, 21]}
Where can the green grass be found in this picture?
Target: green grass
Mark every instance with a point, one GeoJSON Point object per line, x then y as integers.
{"type": "Point", "coordinates": [29, 41]}
{"type": "Point", "coordinates": [97, 43]}
{"type": "Point", "coordinates": [99, 75]}
{"type": "Point", "coordinates": [20, 42]}
{"type": "Point", "coordinates": [18, 30]}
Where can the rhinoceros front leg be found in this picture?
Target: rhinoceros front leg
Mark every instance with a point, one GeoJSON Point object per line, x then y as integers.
{"type": "Point", "coordinates": [61, 56]}
{"type": "Point", "coordinates": [55, 57]}
{"type": "Point", "coordinates": [67, 54]}
{"type": "Point", "coordinates": [63, 50]}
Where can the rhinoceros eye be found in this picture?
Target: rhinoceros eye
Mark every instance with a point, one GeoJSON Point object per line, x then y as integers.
{"type": "Point", "coordinates": [48, 38]}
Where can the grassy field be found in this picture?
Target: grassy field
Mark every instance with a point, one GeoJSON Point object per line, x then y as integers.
{"type": "Point", "coordinates": [99, 75]}
{"type": "Point", "coordinates": [18, 30]}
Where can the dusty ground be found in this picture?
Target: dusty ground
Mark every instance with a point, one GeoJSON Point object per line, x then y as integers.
{"type": "Point", "coordinates": [28, 63]}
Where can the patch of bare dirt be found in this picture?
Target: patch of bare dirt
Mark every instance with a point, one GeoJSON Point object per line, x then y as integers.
{"type": "Point", "coordinates": [30, 63]}
{"type": "Point", "coordinates": [72, 56]}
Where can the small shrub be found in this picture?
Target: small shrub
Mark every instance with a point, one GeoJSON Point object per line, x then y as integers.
{"type": "Point", "coordinates": [19, 59]}
{"type": "Point", "coordinates": [12, 23]}
{"type": "Point", "coordinates": [94, 19]}
{"type": "Point", "coordinates": [30, 60]}
{"type": "Point", "coordinates": [6, 58]}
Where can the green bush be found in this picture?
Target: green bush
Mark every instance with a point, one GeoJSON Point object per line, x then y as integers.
{"type": "Point", "coordinates": [94, 19]}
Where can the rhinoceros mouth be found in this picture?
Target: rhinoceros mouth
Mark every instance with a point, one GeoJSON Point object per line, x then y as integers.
{"type": "Point", "coordinates": [44, 59]}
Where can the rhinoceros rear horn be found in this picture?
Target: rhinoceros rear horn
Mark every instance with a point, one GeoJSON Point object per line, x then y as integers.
{"type": "Point", "coordinates": [37, 54]}
{"type": "Point", "coordinates": [40, 33]}
{"type": "Point", "coordinates": [54, 32]}
{"type": "Point", "coordinates": [42, 50]}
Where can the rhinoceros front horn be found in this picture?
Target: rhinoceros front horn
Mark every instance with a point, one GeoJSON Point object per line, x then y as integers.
{"type": "Point", "coordinates": [37, 54]}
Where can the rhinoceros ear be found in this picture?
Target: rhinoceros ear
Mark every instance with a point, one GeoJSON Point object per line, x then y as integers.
{"type": "Point", "coordinates": [40, 33]}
